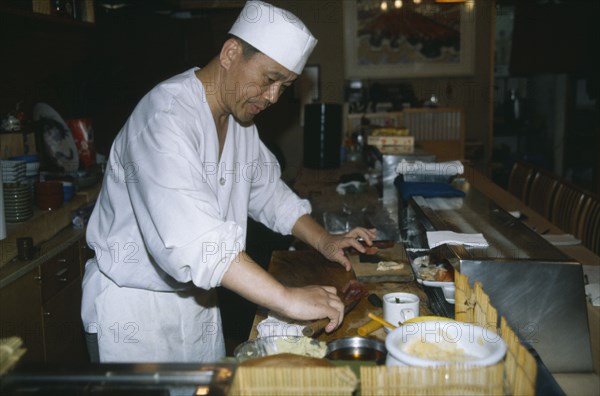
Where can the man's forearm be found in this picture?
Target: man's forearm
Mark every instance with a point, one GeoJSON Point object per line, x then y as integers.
{"type": "Point", "coordinates": [251, 281]}
{"type": "Point", "coordinates": [309, 231]}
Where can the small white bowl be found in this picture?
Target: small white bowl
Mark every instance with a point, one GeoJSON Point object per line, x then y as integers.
{"type": "Point", "coordinates": [438, 343]}
{"type": "Point", "coordinates": [449, 292]}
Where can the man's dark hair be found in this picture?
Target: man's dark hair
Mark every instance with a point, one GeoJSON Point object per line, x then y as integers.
{"type": "Point", "coordinates": [247, 50]}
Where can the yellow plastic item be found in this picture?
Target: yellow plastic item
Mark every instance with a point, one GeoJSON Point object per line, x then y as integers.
{"type": "Point", "coordinates": [369, 328]}
{"type": "Point", "coordinates": [381, 320]}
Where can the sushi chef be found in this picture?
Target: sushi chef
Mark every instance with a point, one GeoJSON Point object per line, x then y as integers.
{"type": "Point", "coordinates": [184, 172]}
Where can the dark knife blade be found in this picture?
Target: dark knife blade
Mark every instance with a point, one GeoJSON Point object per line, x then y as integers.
{"type": "Point", "coordinates": [379, 244]}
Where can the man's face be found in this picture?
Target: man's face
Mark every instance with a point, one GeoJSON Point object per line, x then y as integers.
{"type": "Point", "coordinates": [254, 84]}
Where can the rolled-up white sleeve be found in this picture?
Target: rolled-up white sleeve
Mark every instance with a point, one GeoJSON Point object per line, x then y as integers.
{"type": "Point", "coordinates": [176, 211]}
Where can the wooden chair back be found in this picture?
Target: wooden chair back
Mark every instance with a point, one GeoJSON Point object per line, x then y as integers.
{"type": "Point", "coordinates": [520, 179]}
{"type": "Point", "coordinates": [567, 208]}
{"type": "Point", "coordinates": [589, 227]}
{"type": "Point", "coordinates": [542, 192]}
{"type": "Point", "coordinates": [440, 131]}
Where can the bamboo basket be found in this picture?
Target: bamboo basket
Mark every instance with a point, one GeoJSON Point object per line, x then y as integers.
{"type": "Point", "coordinates": [443, 380]}
{"type": "Point", "coordinates": [515, 375]}
{"type": "Point", "coordinates": [294, 381]}
{"type": "Point", "coordinates": [11, 351]}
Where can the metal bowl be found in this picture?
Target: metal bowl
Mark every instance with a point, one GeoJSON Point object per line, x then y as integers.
{"type": "Point", "coordinates": [357, 348]}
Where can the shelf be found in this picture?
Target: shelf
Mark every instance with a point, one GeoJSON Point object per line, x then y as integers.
{"type": "Point", "coordinates": [8, 10]}
{"type": "Point", "coordinates": [207, 4]}
{"type": "Point", "coordinates": [45, 224]}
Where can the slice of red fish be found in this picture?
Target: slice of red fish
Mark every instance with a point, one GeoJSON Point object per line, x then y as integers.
{"type": "Point", "coordinates": [353, 291]}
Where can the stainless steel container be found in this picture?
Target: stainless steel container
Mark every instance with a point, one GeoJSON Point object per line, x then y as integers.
{"type": "Point", "coordinates": [534, 285]}
{"type": "Point", "coordinates": [357, 348]}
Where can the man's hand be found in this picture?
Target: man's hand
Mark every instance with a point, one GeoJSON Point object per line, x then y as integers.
{"type": "Point", "coordinates": [311, 303]}
{"type": "Point", "coordinates": [332, 246]}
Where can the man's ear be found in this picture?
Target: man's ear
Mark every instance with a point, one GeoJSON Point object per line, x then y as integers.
{"type": "Point", "coordinates": [230, 53]}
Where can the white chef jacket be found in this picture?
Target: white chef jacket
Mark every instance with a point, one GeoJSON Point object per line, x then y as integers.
{"type": "Point", "coordinates": [170, 218]}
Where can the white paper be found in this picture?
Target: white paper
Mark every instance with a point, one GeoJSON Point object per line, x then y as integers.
{"type": "Point", "coordinates": [592, 288]}
{"type": "Point", "coordinates": [592, 292]}
{"type": "Point", "coordinates": [436, 238]}
{"type": "Point", "coordinates": [449, 168]}
{"type": "Point", "coordinates": [592, 273]}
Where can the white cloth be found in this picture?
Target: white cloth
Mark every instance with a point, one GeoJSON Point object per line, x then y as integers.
{"type": "Point", "coordinates": [592, 287]}
{"type": "Point", "coordinates": [275, 325]}
{"type": "Point", "coordinates": [436, 238]}
{"type": "Point", "coordinates": [170, 218]}
{"type": "Point", "coordinates": [275, 32]}
{"type": "Point", "coordinates": [354, 186]}
{"type": "Point", "coordinates": [449, 168]}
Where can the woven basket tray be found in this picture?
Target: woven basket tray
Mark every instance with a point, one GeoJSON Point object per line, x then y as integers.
{"type": "Point", "coordinates": [294, 381]}
{"type": "Point", "coordinates": [515, 375]}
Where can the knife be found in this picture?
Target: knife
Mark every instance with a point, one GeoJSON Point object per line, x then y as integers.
{"type": "Point", "coordinates": [379, 244]}
{"type": "Point", "coordinates": [316, 328]}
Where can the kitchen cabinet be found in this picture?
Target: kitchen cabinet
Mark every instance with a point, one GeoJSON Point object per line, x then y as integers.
{"type": "Point", "coordinates": [63, 331]}
{"type": "Point", "coordinates": [42, 306]}
{"type": "Point", "coordinates": [20, 314]}
{"type": "Point", "coordinates": [61, 304]}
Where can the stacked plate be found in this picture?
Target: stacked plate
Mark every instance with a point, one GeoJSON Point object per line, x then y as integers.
{"type": "Point", "coordinates": [13, 171]}
{"type": "Point", "coordinates": [18, 206]}
{"type": "Point", "coordinates": [32, 166]}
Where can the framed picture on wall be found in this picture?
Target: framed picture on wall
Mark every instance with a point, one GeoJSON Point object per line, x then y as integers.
{"type": "Point", "coordinates": [408, 38]}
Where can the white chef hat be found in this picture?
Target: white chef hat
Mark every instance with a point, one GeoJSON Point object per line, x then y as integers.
{"type": "Point", "coordinates": [275, 32]}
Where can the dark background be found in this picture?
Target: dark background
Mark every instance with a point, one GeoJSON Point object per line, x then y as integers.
{"type": "Point", "coordinates": [102, 70]}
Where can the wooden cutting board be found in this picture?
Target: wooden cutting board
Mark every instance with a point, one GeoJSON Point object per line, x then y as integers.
{"type": "Point", "coordinates": [308, 267]}
{"type": "Point", "coordinates": [367, 272]}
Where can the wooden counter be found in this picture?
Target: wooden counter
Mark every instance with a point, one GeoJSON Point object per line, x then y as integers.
{"type": "Point", "coordinates": [510, 203]}
{"type": "Point", "coordinates": [300, 268]}
{"type": "Point", "coordinates": [319, 187]}
{"type": "Point", "coordinates": [45, 224]}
